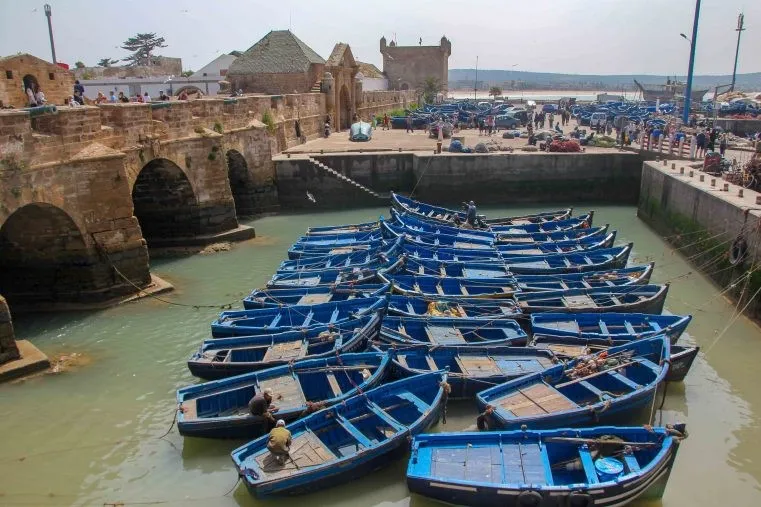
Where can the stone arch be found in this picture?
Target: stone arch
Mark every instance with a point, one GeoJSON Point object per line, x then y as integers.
{"type": "Point", "coordinates": [30, 80]}
{"type": "Point", "coordinates": [44, 257]}
{"type": "Point", "coordinates": [189, 89]}
{"type": "Point", "coordinates": [344, 107]}
{"type": "Point", "coordinates": [241, 184]}
{"type": "Point", "coordinates": [405, 86]}
{"type": "Point", "coordinates": [165, 203]}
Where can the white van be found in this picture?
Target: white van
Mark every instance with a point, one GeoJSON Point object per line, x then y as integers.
{"type": "Point", "coordinates": [598, 119]}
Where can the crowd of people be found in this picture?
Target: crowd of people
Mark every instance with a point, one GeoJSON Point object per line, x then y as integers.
{"type": "Point", "coordinates": [36, 97]}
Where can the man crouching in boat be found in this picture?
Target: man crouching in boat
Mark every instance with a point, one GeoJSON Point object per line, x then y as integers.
{"type": "Point", "coordinates": [259, 406]}
{"type": "Point", "coordinates": [279, 443]}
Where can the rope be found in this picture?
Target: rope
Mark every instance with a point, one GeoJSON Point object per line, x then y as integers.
{"type": "Point", "coordinates": [421, 176]}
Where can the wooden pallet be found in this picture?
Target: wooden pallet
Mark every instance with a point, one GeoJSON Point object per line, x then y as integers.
{"type": "Point", "coordinates": [536, 399]}
{"type": "Point", "coordinates": [286, 392]}
{"type": "Point", "coordinates": [306, 451]}
{"type": "Point", "coordinates": [313, 299]}
{"type": "Point", "coordinates": [441, 335]}
{"type": "Point", "coordinates": [478, 366]}
{"type": "Point", "coordinates": [286, 351]}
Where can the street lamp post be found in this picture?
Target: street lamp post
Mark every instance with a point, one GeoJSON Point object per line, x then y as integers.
{"type": "Point", "coordinates": [740, 28]}
{"type": "Point", "coordinates": [691, 68]}
{"type": "Point", "coordinates": [49, 15]}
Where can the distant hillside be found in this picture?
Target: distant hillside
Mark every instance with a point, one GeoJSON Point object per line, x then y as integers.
{"type": "Point", "coordinates": [463, 79]}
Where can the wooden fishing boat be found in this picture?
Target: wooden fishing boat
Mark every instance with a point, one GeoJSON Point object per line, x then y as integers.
{"type": "Point", "coordinates": [603, 466]}
{"type": "Point", "coordinates": [225, 357]}
{"type": "Point", "coordinates": [496, 232]}
{"type": "Point", "coordinates": [290, 318]}
{"type": "Point", "coordinates": [466, 269]}
{"type": "Point", "coordinates": [431, 238]}
{"type": "Point", "coordinates": [298, 250]}
{"type": "Point", "coordinates": [321, 277]}
{"type": "Point", "coordinates": [568, 347]}
{"type": "Point", "coordinates": [346, 441]}
{"type": "Point", "coordinates": [635, 275]}
{"type": "Point", "coordinates": [360, 259]}
{"type": "Point", "coordinates": [445, 254]}
{"type": "Point", "coordinates": [470, 369]}
{"type": "Point", "coordinates": [275, 298]}
{"type": "Point", "coordinates": [574, 262]}
{"type": "Point", "coordinates": [413, 225]}
{"type": "Point", "coordinates": [219, 409]}
{"type": "Point", "coordinates": [610, 326]}
{"type": "Point", "coordinates": [360, 131]}
{"type": "Point", "coordinates": [629, 299]}
{"type": "Point", "coordinates": [612, 385]}
{"type": "Point", "coordinates": [447, 216]}
{"type": "Point", "coordinates": [342, 229]}
{"type": "Point", "coordinates": [335, 240]}
{"type": "Point", "coordinates": [416, 306]}
{"type": "Point", "coordinates": [448, 288]}
{"type": "Point", "coordinates": [450, 331]}
{"type": "Point", "coordinates": [575, 245]}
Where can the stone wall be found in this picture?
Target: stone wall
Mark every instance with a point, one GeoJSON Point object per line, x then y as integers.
{"type": "Point", "coordinates": [703, 222]}
{"type": "Point", "coordinates": [277, 84]}
{"type": "Point", "coordinates": [56, 82]}
{"type": "Point", "coordinates": [377, 102]}
{"type": "Point", "coordinates": [490, 179]}
{"type": "Point", "coordinates": [8, 349]}
{"type": "Point", "coordinates": [739, 127]}
{"type": "Point", "coordinates": [407, 67]}
{"type": "Point", "coordinates": [162, 66]}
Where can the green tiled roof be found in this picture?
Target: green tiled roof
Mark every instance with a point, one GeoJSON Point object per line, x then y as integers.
{"type": "Point", "coordinates": [279, 52]}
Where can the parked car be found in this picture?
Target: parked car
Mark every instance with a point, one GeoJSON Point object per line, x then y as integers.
{"type": "Point", "coordinates": [521, 114]}
{"type": "Point", "coordinates": [550, 108]}
{"type": "Point", "coordinates": [598, 119]}
{"type": "Point", "coordinates": [506, 121]}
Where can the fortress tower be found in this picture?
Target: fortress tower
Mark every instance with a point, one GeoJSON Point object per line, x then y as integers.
{"type": "Point", "coordinates": [408, 67]}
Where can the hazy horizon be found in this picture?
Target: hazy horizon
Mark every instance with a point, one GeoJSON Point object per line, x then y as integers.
{"type": "Point", "coordinates": [610, 37]}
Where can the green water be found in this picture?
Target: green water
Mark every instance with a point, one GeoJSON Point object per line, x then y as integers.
{"type": "Point", "coordinates": [90, 436]}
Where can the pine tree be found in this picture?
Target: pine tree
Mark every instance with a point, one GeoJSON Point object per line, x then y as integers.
{"type": "Point", "coordinates": [142, 46]}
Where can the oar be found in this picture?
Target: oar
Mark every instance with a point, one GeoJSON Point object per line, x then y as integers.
{"type": "Point", "coordinates": [597, 441]}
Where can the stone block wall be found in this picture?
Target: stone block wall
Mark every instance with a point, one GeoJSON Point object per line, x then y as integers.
{"type": "Point", "coordinates": [378, 102]}
{"type": "Point", "coordinates": [277, 84]}
{"type": "Point", "coordinates": [56, 82]}
{"type": "Point", "coordinates": [8, 349]}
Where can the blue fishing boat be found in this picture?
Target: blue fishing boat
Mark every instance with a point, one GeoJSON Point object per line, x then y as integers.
{"type": "Point", "coordinates": [471, 369]}
{"type": "Point", "coordinates": [343, 239]}
{"type": "Point", "coordinates": [275, 298]}
{"type": "Point", "coordinates": [445, 254]}
{"type": "Point", "coordinates": [574, 262]}
{"type": "Point", "coordinates": [448, 288]}
{"type": "Point", "coordinates": [342, 229]}
{"type": "Point", "coordinates": [225, 357]}
{"type": "Point", "coordinates": [610, 326]}
{"type": "Point", "coordinates": [446, 215]}
{"type": "Point", "coordinates": [574, 245]}
{"type": "Point", "coordinates": [580, 222]}
{"type": "Point", "coordinates": [360, 131]}
{"type": "Point", "coordinates": [346, 441]}
{"type": "Point", "coordinates": [413, 225]}
{"type": "Point", "coordinates": [612, 385]}
{"type": "Point", "coordinates": [604, 466]}
{"type": "Point", "coordinates": [298, 250]}
{"type": "Point", "coordinates": [290, 318]}
{"type": "Point", "coordinates": [436, 239]}
{"type": "Point", "coordinates": [360, 259]}
{"type": "Point", "coordinates": [456, 308]}
{"type": "Point", "coordinates": [568, 347]}
{"type": "Point", "coordinates": [315, 278]}
{"type": "Point", "coordinates": [628, 299]}
{"type": "Point", "coordinates": [635, 275]}
{"type": "Point", "coordinates": [219, 409]}
{"type": "Point", "coordinates": [467, 269]}
{"type": "Point", "coordinates": [450, 331]}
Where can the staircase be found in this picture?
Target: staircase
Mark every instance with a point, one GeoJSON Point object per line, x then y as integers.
{"type": "Point", "coordinates": [317, 88]}
{"type": "Point", "coordinates": [348, 180]}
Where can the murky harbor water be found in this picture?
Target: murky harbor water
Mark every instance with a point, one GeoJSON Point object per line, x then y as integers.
{"type": "Point", "coordinates": [90, 436]}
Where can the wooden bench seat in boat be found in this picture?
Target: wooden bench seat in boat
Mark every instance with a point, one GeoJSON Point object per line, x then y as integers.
{"type": "Point", "coordinates": [536, 399]}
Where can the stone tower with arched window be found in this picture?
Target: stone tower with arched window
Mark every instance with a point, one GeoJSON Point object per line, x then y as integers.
{"type": "Point", "coordinates": [408, 67]}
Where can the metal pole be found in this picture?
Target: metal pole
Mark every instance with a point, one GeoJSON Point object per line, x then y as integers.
{"type": "Point", "coordinates": [49, 15]}
{"type": "Point", "coordinates": [688, 89]}
{"type": "Point", "coordinates": [739, 30]}
{"type": "Point", "coordinates": [475, 83]}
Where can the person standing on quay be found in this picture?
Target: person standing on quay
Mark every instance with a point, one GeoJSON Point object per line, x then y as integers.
{"type": "Point", "coordinates": [409, 124]}
{"type": "Point", "coordinates": [723, 144]}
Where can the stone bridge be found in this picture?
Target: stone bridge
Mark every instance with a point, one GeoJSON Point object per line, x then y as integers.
{"type": "Point", "coordinates": [84, 192]}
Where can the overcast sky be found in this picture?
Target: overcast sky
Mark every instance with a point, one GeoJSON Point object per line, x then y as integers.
{"type": "Point", "coordinates": [568, 36]}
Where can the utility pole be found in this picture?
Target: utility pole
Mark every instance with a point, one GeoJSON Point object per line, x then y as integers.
{"type": "Point", "coordinates": [740, 28]}
{"type": "Point", "coordinates": [475, 83]}
{"type": "Point", "coordinates": [49, 14]}
{"type": "Point", "coordinates": [691, 68]}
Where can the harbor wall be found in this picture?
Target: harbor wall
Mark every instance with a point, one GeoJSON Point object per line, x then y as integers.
{"type": "Point", "coordinates": [8, 349]}
{"type": "Point", "coordinates": [703, 221]}
{"type": "Point", "coordinates": [739, 127]}
{"type": "Point", "coordinates": [489, 179]}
